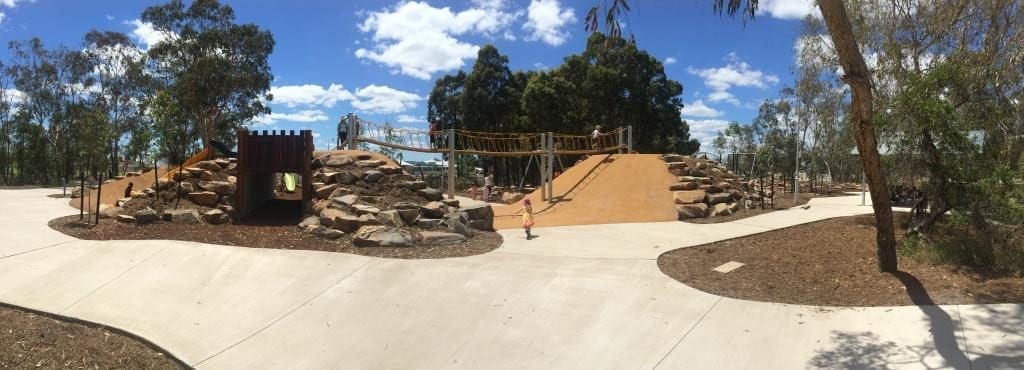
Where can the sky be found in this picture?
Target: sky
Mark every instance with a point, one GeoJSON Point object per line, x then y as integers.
{"type": "Point", "coordinates": [379, 59]}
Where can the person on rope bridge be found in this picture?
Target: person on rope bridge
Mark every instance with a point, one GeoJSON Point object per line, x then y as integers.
{"type": "Point", "coordinates": [432, 134]}
{"type": "Point", "coordinates": [342, 132]}
{"type": "Point", "coordinates": [594, 137]}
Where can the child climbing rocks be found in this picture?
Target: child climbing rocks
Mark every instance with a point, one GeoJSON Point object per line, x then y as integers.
{"type": "Point", "coordinates": [527, 212]}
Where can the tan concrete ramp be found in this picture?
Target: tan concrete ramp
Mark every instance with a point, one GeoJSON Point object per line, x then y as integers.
{"type": "Point", "coordinates": [602, 189]}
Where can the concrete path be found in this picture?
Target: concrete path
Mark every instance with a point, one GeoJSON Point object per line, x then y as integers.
{"type": "Point", "coordinates": [587, 297]}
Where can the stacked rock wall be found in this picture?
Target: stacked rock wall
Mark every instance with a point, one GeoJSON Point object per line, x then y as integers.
{"type": "Point", "coordinates": [705, 188]}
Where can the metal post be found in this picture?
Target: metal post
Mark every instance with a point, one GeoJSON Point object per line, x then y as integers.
{"type": "Point", "coordinates": [451, 164]}
{"type": "Point", "coordinates": [543, 167]}
{"type": "Point", "coordinates": [629, 139]}
{"type": "Point", "coordinates": [551, 167]}
{"type": "Point", "coordinates": [353, 126]}
{"type": "Point", "coordinates": [620, 139]}
{"type": "Point", "coordinates": [863, 189]}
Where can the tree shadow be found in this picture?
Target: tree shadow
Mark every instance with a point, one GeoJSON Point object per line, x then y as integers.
{"type": "Point", "coordinates": [864, 350]}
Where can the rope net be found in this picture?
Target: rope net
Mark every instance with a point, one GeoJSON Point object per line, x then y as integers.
{"type": "Point", "coordinates": [487, 143]}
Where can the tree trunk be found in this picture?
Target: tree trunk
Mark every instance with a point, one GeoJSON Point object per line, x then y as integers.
{"type": "Point", "coordinates": [858, 77]}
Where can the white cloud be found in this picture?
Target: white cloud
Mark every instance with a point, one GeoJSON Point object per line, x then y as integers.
{"type": "Point", "coordinates": [315, 115]}
{"type": "Point", "coordinates": [10, 4]}
{"type": "Point", "coordinates": [736, 73]}
{"type": "Point", "coordinates": [417, 39]}
{"type": "Point", "coordinates": [705, 130]}
{"type": "Point", "coordinates": [108, 17]}
{"type": "Point", "coordinates": [699, 109]}
{"type": "Point", "coordinates": [406, 118]}
{"type": "Point", "coordinates": [384, 100]}
{"type": "Point", "coordinates": [310, 95]}
{"type": "Point", "coordinates": [788, 9]}
{"type": "Point", "coordinates": [546, 20]}
{"type": "Point", "coordinates": [670, 61]}
{"type": "Point", "coordinates": [2, 15]}
{"type": "Point", "coordinates": [145, 34]}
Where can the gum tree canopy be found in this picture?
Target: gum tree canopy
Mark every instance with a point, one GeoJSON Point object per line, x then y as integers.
{"type": "Point", "coordinates": [216, 70]}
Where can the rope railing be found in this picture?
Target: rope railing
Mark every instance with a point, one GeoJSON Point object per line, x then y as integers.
{"type": "Point", "coordinates": [489, 143]}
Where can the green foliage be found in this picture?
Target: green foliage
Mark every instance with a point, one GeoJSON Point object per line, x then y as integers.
{"type": "Point", "coordinates": [217, 71]}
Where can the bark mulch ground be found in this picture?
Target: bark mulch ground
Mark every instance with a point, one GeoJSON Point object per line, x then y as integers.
{"type": "Point", "coordinates": [831, 263]}
{"type": "Point", "coordinates": [784, 201]}
{"type": "Point", "coordinates": [31, 340]}
{"type": "Point", "coordinates": [272, 226]}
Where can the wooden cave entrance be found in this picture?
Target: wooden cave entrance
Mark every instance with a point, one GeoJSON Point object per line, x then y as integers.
{"type": "Point", "coordinates": [262, 156]}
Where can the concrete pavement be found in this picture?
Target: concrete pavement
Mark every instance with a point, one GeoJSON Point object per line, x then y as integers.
{"type": "Point", "coordinates": [576, 297]}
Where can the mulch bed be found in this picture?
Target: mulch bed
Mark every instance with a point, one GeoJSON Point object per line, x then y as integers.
{"type": "Point", "coordinates": [783, 201]}
{"type": "Point", "coordinates": [831, 263]}
{"type": "Point", "coordinates": [269, 227]}
{"type": "Point", "coordinates": [30, 340]}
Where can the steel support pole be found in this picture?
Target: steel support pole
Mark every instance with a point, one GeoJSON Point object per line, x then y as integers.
{"type": "Point", "coordinates": [629, 139]}
{"type": "Point", "coordinates": [551, 167]}
{"type": "Point", "coordinates": [620, 139]}
{"type": "Point", "coordinates": [353, 132]}
{"type": "Point", "coordinates": [543, 167]}
{"type": "Point", "coordinates": [451, 164]}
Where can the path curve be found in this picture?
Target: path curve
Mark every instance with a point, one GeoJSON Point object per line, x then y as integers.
{"type": "Point", "coordinates": [576, 297]}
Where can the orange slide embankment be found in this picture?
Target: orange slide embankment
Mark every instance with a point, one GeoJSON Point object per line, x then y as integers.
{"type": "Point", "coordinates": [114, 190]}
{"type": "Point", "coordinates": [603, 189]}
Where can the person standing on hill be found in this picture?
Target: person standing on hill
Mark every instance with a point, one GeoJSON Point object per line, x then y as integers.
{"type": "Point", "coordinates": [342, 132]}
{"type": "Point", "coordinates": [595, 135]}
{"type": "Point", "coordinates": [488, 185]}
{"type": "Point", "coordinates": [128, 190]}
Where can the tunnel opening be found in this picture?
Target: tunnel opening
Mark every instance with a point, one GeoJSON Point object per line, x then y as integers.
{"type": "Point", "coordinates": [263, 162]}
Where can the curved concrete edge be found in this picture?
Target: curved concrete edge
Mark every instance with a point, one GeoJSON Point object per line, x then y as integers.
{"type": "Point", "coordinates": [145, 341]}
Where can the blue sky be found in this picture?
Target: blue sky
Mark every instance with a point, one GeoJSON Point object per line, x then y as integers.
{"type": "Point", "coordinates": [379, 59]}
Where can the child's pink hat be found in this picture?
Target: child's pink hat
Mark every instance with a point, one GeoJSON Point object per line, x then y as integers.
{"type": "Point", "coordinates": [526, 201]}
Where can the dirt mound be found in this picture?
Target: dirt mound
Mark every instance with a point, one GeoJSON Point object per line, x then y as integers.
{"type": "Point", "coordinates": [602, 189]}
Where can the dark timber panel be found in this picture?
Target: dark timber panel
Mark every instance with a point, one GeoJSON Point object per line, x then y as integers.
{"type": "Point", "coordinates": [260, 155]}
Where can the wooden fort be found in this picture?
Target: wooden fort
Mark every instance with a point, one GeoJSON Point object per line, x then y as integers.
{"type": "Point", "coordinates": [261, 156]}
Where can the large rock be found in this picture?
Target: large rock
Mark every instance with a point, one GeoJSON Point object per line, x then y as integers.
{"type": "Point", "coordinates": [362, 209]}
{"type": "Point", "coordinates": [208, 165]}
{"type": "Point", "coordinates": [415, 185]}
{"type": "Point", "coordinates": [390, 218]}
{"type": "Point", "coordinates": [713, 189]}
{"type": "Point", "coordinates": [390, 170]}
{"type": "Point", "coordinates": [216, 217]}
{"type": "Point", "coordinates": [481, 216]}
{"type": "Point", "coordinates": [219, 187]}
{"type": "Point", "coordinates": [125, 219]}
{"type": "Point", "coordinates": [721, 209]}
{"type": "Point", "coordinates": [509, 198]}
{"type": "Point", "coordinates": [696, 210]}
{"type": "Point", "coordinates": [373, 176]}
{"type": "Point", "coordinates": [326, 177]}
{"type": "Point", "coordinates": [429, 223]}
{"type": "Point", "coordinates": [433, 210]}
{"type": "Point", "coordinates": [409, 216]}
{"type": "Point", "coordinates": [206, 175]}
{"type": "Point", "coordinates": [676, 165]}
{"type": "Point", "coordinates": [345, 222]}
{"type": "Point", "coordinates": [204, 198]}
{"type": "Point", "coordinates": [405, 205]}
{"type": "Point", "coordinates": [311, 220]}
{"type": "Point", "coordinates": [717, 198]}
{"type": "Point", "coordinates": [325, 191]}
{"type": "Point", "coordinates": [345, 178]}
{"type": "Point", "coordinates": [146, 215]}
{"type": "Point", "coordinates": [338, 161]}
{"type": "Point", "coordinates": [684, 186]}
{"type": "Point", "coordinates": [181, 175]}
{"type": "Point", "coordinates": [672, 158]}
{"type": "Point", "coordinates": [688, 196]}
{"type": "Point", "coordinates": [340, 191]}
{"type": "Point", "coordinates": [382, 236]}
{"type": "Point", "coordinates": [182, 216]}
{"type": "Point", "coordinates": [724, 185]}
{"type": "Point", "coordinates": [223, 163]}
{"type": "Point", "coordinates": [345, 202]}
{"type": "Point", "coordinates": [736, 194]}
{"type": "Point", "coordinates": [435, 238]}
{"type": "Point", "coordinates": [185, 187]}
{"type": "Point", "coordinates": [370, 163]}
{"type": "Point", "coordinates": [109, 211]}
{"type": "Point", "coordinates": [328, 216]}
{"type": "Point", "coordinates": [320, 205]}
{"type": "Point", "coordinates": [459, 225]}
{"type": "Point", "coordinates": [430, 194]}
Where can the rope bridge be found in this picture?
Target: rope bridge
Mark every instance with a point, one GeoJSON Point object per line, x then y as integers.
{"type": "Point", "coordinates": [489, 143]}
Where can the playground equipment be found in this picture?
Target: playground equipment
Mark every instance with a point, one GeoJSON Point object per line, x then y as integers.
{"type": "Point", "coordinates": [289, 182]}
{"type": "Point", "coordinates": [261, 156]}
{"type": "Point", "coordinates": [545, 145]}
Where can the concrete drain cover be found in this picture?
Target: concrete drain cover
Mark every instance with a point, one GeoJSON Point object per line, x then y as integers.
{"type": "Point", "coordinates": [728, 267]}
